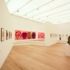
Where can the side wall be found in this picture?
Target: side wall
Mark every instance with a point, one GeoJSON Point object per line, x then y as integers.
{"type": "Point", "coordinates": [5, 23]}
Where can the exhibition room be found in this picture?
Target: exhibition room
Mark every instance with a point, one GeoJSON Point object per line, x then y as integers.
{"type": "Point", "coordinates": [34, 34]}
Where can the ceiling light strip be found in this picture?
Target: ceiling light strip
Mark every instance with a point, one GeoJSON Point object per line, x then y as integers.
{"type": "Point", "coordinates": [59, 12]}
{"type": "Point", "coordinates": [63, 14]}
{"type": "Point", "coordinates": [23, 5]}
{"type": "Point", "coordinates": [58, 15]}
{"type": "Point", "coordinates": [39, 7]}
{"type": "Point", "coordinates": [62, 5]}
{"type": "Point", "coordinates": [54, 13]}
{"type": "Point", "coordinates": [45, 4]}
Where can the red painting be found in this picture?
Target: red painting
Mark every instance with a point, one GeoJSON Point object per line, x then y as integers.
{"type": "Point", "coordinates": [41, 36]}
{"type": "Point", "coordinates": [33, 35]}
{"type": "Point", "coordinates": [18, 35]}
{"type": "Point", "coordinates": [29, 35]}
{"type": "Point", "coordinates": [24, 35]}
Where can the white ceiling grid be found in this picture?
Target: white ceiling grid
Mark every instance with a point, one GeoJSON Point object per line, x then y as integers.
{"type": "Point", "coordinates": [54, 11]}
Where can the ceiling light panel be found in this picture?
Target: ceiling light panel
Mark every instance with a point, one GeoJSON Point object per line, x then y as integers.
{"type": "Point", "coordinates": [48, 8]}
{"type": "Point", "coordinates": [13, 5]}
{"type": "Point", "coordinates": [41, 10]}
{"type": "Point", "coordinates": [55, 12]}
{"type": "Point", "coordinates": [33, 6]}
{"type": "Point", "coordinates": [62, 19]}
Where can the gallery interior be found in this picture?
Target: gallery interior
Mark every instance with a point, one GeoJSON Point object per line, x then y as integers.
{"type": "Point", "coordinates": [34, 34]}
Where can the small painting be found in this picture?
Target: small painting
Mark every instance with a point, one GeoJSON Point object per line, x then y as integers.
{"type": "Point", "coordinates": [29, 35]}
{"type": "Point", "coordinates": [1, 34]}
{"type": "Point", "coordinates": [6, 35]}
{"type": "Point", "coordinates": [41, 36]}
{"type": "Point", "coordinates": [33, 35]}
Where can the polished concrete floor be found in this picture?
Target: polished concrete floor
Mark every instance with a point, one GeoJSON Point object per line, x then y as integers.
{"type": "Point", "coordinates": [55, 57]}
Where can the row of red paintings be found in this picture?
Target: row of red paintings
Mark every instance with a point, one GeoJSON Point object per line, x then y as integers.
{"type": "Point", "coordinates": [23, 35]}
{"type": "Point", "coordinates": [5, 34]}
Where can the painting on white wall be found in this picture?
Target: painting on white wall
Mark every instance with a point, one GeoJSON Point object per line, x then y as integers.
{"type": "Point", "coordinates": [1, 34]}
{"type": "Point", "coordinates": [6, 35]}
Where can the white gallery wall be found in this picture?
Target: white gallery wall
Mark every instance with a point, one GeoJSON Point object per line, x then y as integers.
{"type": "Point", "coordinates": [6, 45]}
{"type": "Point", "coordinates": [63, 29]}
{"type": "Point", "coordinates": [27, 25]}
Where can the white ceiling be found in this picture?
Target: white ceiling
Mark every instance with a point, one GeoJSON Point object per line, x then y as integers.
{"type": "Point", "coordinates": [54, 11]}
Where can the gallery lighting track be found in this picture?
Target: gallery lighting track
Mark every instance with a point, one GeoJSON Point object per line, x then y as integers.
{"type": "Point", "coordinates": [41, 10]}
{"type": "Point", "coordinates": [54, 13]}
{"type": "Point", "coordinates": [23, 6]}
{"type": "Point", "coordinates": [62, 11]}
{"type": "Point", "coordinates": [39, 7]}
{"type": "Point", "coordinates": [62, 5]}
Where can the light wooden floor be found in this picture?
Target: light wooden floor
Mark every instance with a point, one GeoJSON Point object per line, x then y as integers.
{"type": "Point", "coordinates": [55, 57]}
